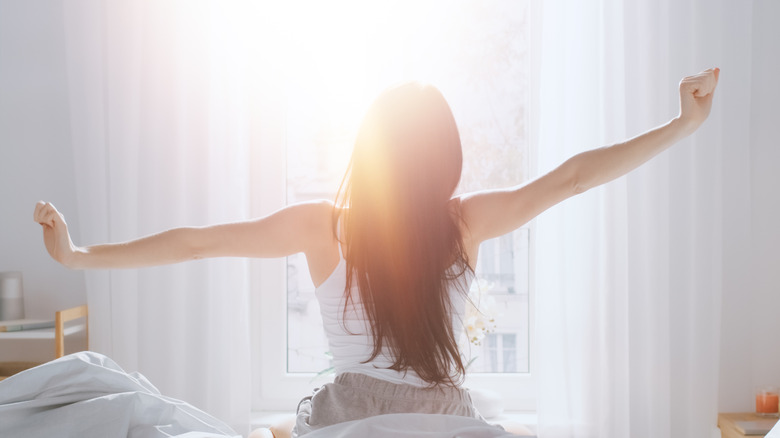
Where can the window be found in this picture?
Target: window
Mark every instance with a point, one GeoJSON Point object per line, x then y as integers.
{"type": "Point", "coordinates": [501, 353]}
{"type": "Point", "coordinates": [478, 57]}
{"type": "Point", "coordinates": [502, 292]}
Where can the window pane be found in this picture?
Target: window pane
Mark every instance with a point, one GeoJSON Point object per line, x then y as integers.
{"type": "Point", "coordinates": [478, 58]}
{"type": "Point", "coordinates": [509, 352]}
{"type": "Point", "coordinates": [501, 292]}
{"type": "Point", "coordinates": [492, 354]}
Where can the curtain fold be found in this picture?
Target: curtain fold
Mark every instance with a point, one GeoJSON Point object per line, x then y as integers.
{"type": "Point", "coordinates": [580, 250]}
{"type": "Point", "coordinates": [160, 127]}
{"type": "Point", "coordinates": [630, 275]}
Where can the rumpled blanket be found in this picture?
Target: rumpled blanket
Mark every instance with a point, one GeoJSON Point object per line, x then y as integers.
{"type": "Point", "coordinates": [88, 395]}
{"type": "Point", "coordinates": [411, 425]}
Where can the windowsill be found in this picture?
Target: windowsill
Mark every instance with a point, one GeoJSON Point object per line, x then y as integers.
{"type": "Point", "coordinates": [268, 418]}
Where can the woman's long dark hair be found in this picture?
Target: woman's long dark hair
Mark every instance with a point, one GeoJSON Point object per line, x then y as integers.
{"type": "Point", "coordinates": [402, 240]}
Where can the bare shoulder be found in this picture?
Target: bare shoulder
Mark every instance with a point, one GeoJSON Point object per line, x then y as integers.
{"type": "Point", "coordinates": [318, 210]}
{"type": "Point", "coordinates": [316, 221]}
{"type": "Point", "coordinates": [323, 214]}
{"type": "Point", "coordinates": [322, 251]}
{"type": "Point", "coordinates": [303, 227]}
{"type": "Point", "coordinates": [492, 213]}
{"type": "Point", "coordinates": [462, 211]}
{"type": "Point", "coordinates": [477, 209]}
{"type": "Point", "coordinates": [484, 215]}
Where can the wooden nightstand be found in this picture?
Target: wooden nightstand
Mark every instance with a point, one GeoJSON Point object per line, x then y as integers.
{"type": "Point", "coordinates": [729, 430]}
{"type": "Point", "coordinates": [56, 333]}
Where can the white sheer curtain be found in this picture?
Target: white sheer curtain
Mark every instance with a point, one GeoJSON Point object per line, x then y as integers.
{"type": "Point", "coordinates": [160, 126]}
{"type": "Point", "coordinates": [629, 275]}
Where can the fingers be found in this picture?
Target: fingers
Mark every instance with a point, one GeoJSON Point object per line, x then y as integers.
{"type": "Point", "coordinates": [709, 80]}
{"type": "Point", "coordinates": [40, 212]}
{"type": "Point", "coordinates": [701, 84]}
{"type": "Point", "coordinates": [38, 206]}
{"type": "Point", "coordinates": [46, 214]}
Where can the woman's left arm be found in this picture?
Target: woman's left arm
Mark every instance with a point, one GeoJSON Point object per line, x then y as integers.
{"type": "Point", "coordinates": [493, 213]}
{"type": "Point", "coordinates": [598, 166]}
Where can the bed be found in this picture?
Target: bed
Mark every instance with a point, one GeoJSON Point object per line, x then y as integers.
{"type": "Point", "coordinates": [88, 395]}
{"type": "Point", "coordinates": [411, 425]}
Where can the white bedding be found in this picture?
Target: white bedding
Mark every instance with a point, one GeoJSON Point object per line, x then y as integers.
{"type": "Point", "coordinates": [775, 432]}
{"type": "Point", "coordinates": [411, 425]}
{"type": "Point", "coordinates": [88, 395]}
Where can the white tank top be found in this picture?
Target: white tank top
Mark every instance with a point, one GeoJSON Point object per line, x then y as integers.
{"type": "Point", "coordinates": [349, 335]}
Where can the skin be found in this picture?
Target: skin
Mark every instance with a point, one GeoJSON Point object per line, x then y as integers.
{"type": "Point", "coordinates": [307, 227]}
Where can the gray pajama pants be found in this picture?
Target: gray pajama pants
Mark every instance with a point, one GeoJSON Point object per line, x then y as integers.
{"type": "Point", "coordinates": [355, 396]}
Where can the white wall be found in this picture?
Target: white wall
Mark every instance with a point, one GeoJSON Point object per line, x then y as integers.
{"type": "Point", "coordinates": [36, 159]}
{"type": "Point", "coordinates": [750, 327]}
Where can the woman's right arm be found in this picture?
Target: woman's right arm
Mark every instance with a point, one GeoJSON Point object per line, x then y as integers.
{"type": "Point", "coordinates": [296, 228]}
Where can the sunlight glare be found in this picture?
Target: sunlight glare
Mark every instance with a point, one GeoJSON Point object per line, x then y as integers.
{"type": "Point", "coordinates": [333, 53]}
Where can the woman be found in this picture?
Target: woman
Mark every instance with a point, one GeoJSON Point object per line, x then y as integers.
{"type": "Point", "coordinates": [393, 256]}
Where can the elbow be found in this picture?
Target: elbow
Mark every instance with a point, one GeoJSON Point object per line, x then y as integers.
{"type": "Point", "coordinates": [73, 260]}
{"type": "Point", "coordinates": [577, 187]}
{"type": "Point", "coordinates": [576, 182]}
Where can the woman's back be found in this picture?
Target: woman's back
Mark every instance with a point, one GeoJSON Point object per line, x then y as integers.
{"type": "Point", "coordinates": [348, 329]}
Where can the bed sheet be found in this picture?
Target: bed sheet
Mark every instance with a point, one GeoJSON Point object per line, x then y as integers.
{"type": "Point", "coordinates": [775, 432]}
{"type": "Point", "coordinates": [412, 425]}
{"type": "Point", "coordinates": [88, 395]}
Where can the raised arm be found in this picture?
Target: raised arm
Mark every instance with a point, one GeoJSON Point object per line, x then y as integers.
{"type": "Point", "coordinates": [493, 213]}
{"type": "Point", "coordinates": [297, 228]}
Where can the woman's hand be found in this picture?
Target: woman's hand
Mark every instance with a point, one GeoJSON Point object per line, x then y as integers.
{"type": "Point", "coordinates": [696, 94]}
{"type": "Point", "coordinates": [55, 232]}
